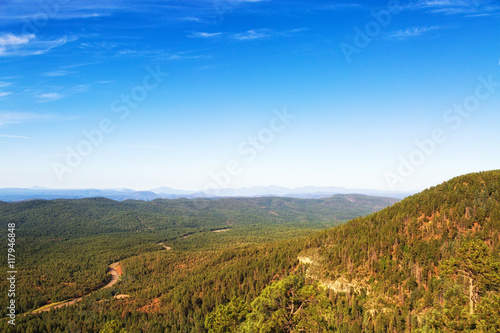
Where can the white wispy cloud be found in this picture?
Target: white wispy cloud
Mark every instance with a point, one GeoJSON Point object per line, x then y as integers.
{"type": "Point", "coordinates": [207, 67]}
{"type": "Point", "coordinates": [253, 34]}
{"type": "Point", "coordinates": [3, 78]}
{"type": "Point", "coordinates": [130, 52]}
{"type": "Point", "coordinates": [26, 10]}
{"type": "Point", "coordinates": [13, 136]}
{"type": "Point", "coordinates": [455, 7]}
{"type": "Point", "coordinates": [342, 6]}
{"type": "Point", "coordinates": [5, 93]}
{"type": "Point", "coordinates": [249, 35]}
{"type": "Point", "coordinates": [4, 84]}
{"type": "Point", "coordinates": [48, 97]}
{"type": "Point", "coordinates": [182, 56]}
{"type": "Point", "coordinates": [10, 39]}
{"type": "Point", "coordinates": [160, 55]}
{"type": "Point", "coordinates": [7, 118]}
{"type": "Point", "coordinates": [77, 89]}
{"type": "Point", "coordinates": [204, 34]}
{"type": "Point", "coordinates": [143, 146]}
{"type": "Point", "coordinates": [98, 45]}
{"type": "Point", "coordinates": [192, 19]}
{"type": "Point", "coordinates": [27, 16]}
{"type": "Point", "coordinates": [21, 11]}
{"type": "Point", "coordinates": [264, 34]}
{"type": "Point", "coordinates": [59, 72]}
{"type": "Point", "coordinates": [27, 44]}
{"type": "Point", "coordinates": [411, 32]}
{"type": "Point", "coordinates": [58, 93]}
{"type": "Point", "coordinates": [10, 43]}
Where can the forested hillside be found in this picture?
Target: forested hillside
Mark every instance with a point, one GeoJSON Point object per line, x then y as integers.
{"type": "Point", "coordinates": [64, 247]}
{"type": "Point", "coordinates": [430, 263]}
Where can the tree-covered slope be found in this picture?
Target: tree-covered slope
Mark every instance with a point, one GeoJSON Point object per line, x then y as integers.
{"type": "Point", "coordinates": [85, 217]}
{"type": "Point", "coordinates": [429, 262]}
{"type": "Point", "coordinates": [63, 247]}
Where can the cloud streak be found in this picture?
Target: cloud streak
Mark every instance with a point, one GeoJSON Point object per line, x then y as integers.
{"type": "Point", "coordinates": [204, 34]}
{"type": "Point", "coordinates": [143, 146]}
{"type": "Point", "coordinates": [253, 35]}
{"type": "Point", "coordinates": [60, 72]}
{"type": "Point", "coordinates": [456, 7]}
{"type": "Point", "coordinates": [13, 136]}
{"type": "Point", "coordinates": [27, 10]}
{"type": "Point", "coordinates": [343, 6]}
{"type": "Point", "coordinates": [7, 118]}
{"type": "Point", "coordinates": [10, 39]}
{"type": "Point", "coordinates": [12, 45]}
{"type": "Point", "coordinates": [49, 97]}
{"type": "Point", "coordinates": [21, 11]}
{"type": "Point", "coordinates": [249, 35]}
{"type": "Point", "coordinates": [412, 32]}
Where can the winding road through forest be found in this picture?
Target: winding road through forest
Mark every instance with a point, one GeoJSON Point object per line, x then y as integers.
{"type": "Point", "coordinates": [115, 277]}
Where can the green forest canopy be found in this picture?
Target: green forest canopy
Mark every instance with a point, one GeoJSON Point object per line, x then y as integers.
{"type": "Point", "coordinates": [429, 263]}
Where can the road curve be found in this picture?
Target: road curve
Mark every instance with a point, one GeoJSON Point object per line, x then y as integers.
{"type": "Point", "coordinates": [115, 277]}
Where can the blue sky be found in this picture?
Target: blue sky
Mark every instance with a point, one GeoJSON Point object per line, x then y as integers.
{"type": "Point", "coordinates": [227, 93]}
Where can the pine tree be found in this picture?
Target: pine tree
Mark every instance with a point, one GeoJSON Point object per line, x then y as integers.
{"type": "Point", "coordinates": [474, 263]}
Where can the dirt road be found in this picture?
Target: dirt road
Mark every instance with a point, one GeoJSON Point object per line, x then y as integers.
{"type": "Point", "coordinates": [115, 277]}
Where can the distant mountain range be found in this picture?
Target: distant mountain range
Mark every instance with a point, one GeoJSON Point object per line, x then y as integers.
{"type": "Point", "coordinates": [22, 194]}
{"type": "Point", "coordinates": [309, 192]}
